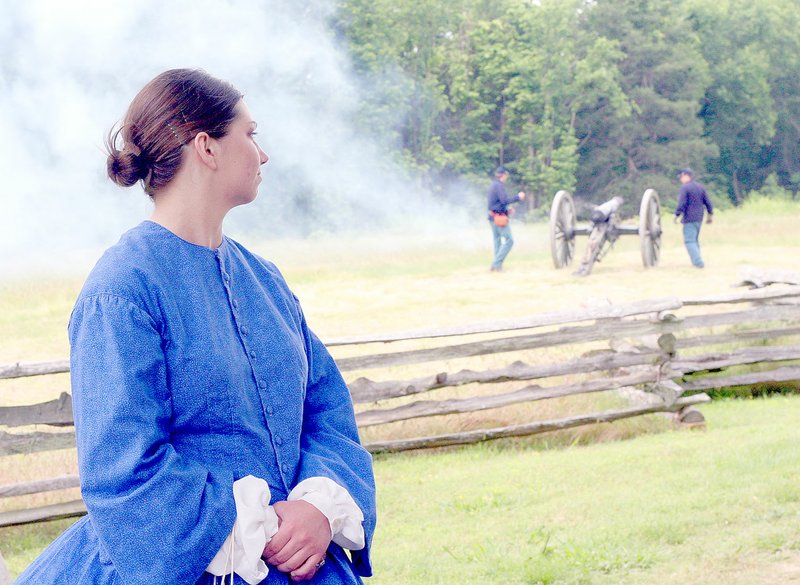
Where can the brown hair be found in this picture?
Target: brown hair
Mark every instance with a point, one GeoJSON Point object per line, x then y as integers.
{"type": "Point", "coordinates": [164, 116]}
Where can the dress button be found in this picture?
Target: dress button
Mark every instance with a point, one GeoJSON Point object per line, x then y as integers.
{"type": "Point", "coordinates": [243, 329]}
{"type": "Point", "coordinates": [269, 410]}
{"type": "Point", "coordinates": [278, 440]}
{"type": "Point", "coordinates": [262, 384]}
{"type": "Point", "coordinates": [235, 304]}
{"type": "Point", "coordinates": [252, 354]}
{"type": "Point", "coordinates": [226, 277]}
{"type": "Point", "coordinates": [286, 467]}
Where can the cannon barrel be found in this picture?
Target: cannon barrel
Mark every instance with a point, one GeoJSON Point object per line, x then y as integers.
{"type": "Point", "coordinates": [605, 210]}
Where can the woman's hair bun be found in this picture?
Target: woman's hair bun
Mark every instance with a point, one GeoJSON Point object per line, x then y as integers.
{"type": "Point", "coordinates": [127, 166]}
{"type": "Point", "coordinates": [164, 116]}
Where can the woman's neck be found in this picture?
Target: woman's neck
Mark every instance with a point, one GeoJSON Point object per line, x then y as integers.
{"type": "Point", "coordinates": [190, 214]}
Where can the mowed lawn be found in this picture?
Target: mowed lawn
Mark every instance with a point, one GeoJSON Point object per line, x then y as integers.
{"type": "Point", "coordinates": [720, 506]}
{"type": "Point", "coordinates": [714, 506]}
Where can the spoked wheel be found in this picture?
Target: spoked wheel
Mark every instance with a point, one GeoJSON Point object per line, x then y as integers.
{"type": "Point", "coordinates": [562, 229]}
{"type": "Point", "coordinates": [650, 228]}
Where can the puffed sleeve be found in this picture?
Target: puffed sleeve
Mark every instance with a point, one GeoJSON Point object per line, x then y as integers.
{"type": "Point", "coordinates": [329, 443]}
{"type": "Point", "coordinates": [160, 518]}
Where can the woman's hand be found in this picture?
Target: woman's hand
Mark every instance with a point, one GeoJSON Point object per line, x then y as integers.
{"type": "Point", "coordinates": [303, 536]}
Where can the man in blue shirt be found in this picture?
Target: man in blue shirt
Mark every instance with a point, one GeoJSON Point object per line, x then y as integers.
{"type": "Point", "coordinates": [499, 201]}
{"type": "Point", "coordinates": [692, 203]}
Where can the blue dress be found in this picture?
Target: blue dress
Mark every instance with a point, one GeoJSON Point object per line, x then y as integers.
{"type": "Point", "coordinates": [192, 368]}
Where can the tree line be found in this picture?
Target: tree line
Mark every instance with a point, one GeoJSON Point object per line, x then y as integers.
{"type": "Point", "coordinates": [600, 97]}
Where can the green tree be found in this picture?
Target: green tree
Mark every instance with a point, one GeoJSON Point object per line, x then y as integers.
{"type": "Point", "coordinates": [562, 70]}
{"type": "Point", "coordinates": [514, 84]}
{"type": "Point", "coordinates": [752, 109]}
{"type": "Point", "coordinates": [664, 76]}
{"type": "Point", "coordinates": [783, 48]}
{"type": "Point", "coordinates": [739, 111]}
{"type": "Point", "coordinates": [607, 96]}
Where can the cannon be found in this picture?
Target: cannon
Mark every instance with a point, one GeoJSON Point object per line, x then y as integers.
{"type": "Point", "coordinates": [604, 230]}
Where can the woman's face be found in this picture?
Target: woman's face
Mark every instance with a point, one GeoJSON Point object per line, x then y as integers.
{"type": "Point", "coordinates": [241, 158]}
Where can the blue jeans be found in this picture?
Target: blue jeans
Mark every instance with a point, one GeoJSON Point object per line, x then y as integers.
{"type": "Point", "coordinates": [691, 235]}
{"type": "Point", "coordinates": [503, 241]}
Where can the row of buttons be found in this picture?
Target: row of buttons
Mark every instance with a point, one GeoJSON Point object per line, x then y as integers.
{"type": "Point", "coordinates": [262, 384]}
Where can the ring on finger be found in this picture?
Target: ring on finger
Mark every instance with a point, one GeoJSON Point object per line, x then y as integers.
{"type": "Point", "coordinates": [319, 564]}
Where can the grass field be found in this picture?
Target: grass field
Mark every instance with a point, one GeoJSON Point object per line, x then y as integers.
{"type": "Point", "coordinates": [715, 507]}
{"type": "Point", "coordinates": [719, 506]}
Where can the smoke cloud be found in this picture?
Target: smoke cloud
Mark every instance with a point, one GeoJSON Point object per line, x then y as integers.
{"type": "Point", "coordinates": [68, 71]}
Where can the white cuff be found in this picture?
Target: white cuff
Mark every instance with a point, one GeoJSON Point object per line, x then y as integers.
{"type": "Point", "coordinates": [344, 515]}
{"type": "Point", "coordinates": [256, 524]}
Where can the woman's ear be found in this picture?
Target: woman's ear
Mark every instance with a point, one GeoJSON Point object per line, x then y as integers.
{"type": "Point", "coordinates": [205, 148]}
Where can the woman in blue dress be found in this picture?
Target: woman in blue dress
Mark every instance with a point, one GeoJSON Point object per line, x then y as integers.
{"type": "Point", "coordinates": [216, 437]}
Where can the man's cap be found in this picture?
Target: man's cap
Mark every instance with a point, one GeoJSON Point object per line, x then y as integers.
{"type": "Point", "coordinates": [501, 170]}
{"type": "Point", "coordinates": [686, 171]}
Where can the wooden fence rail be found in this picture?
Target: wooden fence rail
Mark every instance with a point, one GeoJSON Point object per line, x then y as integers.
{"type": "Point", "coordinates": [643, 345]}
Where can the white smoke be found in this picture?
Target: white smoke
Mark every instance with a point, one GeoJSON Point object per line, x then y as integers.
{"type": "Point", "coordinates": [68, 70]}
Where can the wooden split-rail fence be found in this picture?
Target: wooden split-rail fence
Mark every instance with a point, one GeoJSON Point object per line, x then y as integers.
{"type": "Point", "coordinates": [670, 349]}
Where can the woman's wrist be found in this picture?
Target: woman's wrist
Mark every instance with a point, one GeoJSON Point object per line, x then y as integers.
{"type": "Point", "coordinates": [344, 516]}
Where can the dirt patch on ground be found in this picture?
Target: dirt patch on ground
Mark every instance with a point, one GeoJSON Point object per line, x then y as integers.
{"type": "Point", "coordinates": [781, 568]}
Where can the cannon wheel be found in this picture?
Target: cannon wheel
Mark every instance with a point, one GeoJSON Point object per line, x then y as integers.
{"type": "Point", "coordinates": [562, 229]}
{"type": "Point", "coordinates": [650, 228]}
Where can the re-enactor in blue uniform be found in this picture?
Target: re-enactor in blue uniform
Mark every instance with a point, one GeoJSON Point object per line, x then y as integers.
{"type": "Point", "coordinates": [193, 368]}
{"type": "Point", "coordinates": [693, 201]}
{"type": "Point", "coordinates": [498, 202]}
